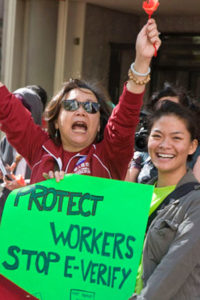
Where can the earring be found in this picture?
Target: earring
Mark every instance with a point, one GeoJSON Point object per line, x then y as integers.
{"type": "Point", "coordinates": [98, 136]}
{"type": "Point", "coordinates": [56, 133]}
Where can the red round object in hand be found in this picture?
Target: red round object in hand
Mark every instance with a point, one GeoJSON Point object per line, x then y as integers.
{"type": "Point", "coordinates": [150, 6]}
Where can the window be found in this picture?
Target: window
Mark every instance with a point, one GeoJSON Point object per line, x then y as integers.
{"type": "Point", "coordinates": [178, 62]}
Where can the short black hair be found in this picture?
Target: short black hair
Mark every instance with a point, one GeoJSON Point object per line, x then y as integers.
{"type": "Point", "coordinates": [168, 108]}
{"type": "Point", "coordinates": [170, 90]}
{"type": "Point", "coordinates": [40, 91]}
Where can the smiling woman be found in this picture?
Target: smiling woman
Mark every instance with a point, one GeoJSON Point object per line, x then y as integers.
{"type": "Point", "coordinates": [173, 137]}
{"type": "Point", "coordinates": [171, 255]}
{"type": "Point", "coordinates": [81, 136]}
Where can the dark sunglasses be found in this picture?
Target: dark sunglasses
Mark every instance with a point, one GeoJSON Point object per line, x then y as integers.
{"type": "Point", "coordinates": [89, 106]}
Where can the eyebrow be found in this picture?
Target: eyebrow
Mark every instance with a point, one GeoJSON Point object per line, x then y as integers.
{"type": "Point", "coordinates": [178, 132]}
{"type": "Point", "coordinates": [174, 132]}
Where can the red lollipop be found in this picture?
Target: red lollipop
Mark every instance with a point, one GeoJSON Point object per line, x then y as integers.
{"type": "Point", "coordinates": [149, 7]}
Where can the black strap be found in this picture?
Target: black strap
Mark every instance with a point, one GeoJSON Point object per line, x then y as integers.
{"type": "Point", "coordinates": [176, 194]}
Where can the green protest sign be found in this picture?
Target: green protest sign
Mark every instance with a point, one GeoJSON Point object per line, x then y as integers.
{"type": "Point", "coordinates": [77, 239]}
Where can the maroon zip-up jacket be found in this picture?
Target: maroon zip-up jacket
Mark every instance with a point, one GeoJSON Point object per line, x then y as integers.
{"type": "Point", "coordinates": [108, 159]}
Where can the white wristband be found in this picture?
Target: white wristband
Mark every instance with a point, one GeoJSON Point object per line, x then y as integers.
{"type": "Point", "coordinates": [137, 73]}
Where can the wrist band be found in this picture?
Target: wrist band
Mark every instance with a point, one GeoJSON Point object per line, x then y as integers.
{"type": "Point", "coordinates": [139, 74]}
{"type": "Point", "coordinates": [136, 80]}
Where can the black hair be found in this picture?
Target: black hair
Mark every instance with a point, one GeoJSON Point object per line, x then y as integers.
{"type": "Point", "coordinates": [168, 108]}
{"type": "Point", "coordinates": [40, 92]}
{"type": "Point", "coordinates": [172, 91]}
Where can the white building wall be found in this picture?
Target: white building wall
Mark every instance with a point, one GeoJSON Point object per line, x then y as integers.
{"type": "Point", "coordinates": [29, 43]}
{"type": "Point", "coordinates": [1, 8]}
{"type": "Point", "coordinates": [41, 43]}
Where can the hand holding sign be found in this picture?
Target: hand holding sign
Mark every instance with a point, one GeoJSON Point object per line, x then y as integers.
{"type": "Point", "coordinates": [149, 7]}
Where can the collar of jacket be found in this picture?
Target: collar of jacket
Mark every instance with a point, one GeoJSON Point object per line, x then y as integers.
{"type": "Point", "coordinates": [188, 177]}
{"type": "Point", "coordinates": [56, 151]}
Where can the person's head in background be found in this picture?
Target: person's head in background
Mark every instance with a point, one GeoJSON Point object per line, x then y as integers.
{"type": "Point", "coordinates": [41, 92]}
{"type": "Point", "coordinates": [170, 92]}
{"type": "Point", "coordinates": [34, 98]}
{"type": "Point", "coordinates": [177, 94]}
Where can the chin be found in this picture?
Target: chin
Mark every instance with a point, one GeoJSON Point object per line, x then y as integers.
{"type": "Point", "coordinates": [166, 170]}
{"type": "Point", "coordinates": [81, 144]}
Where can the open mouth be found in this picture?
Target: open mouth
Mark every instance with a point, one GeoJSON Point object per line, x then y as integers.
{"type": "Point", "coordinates": [79, 127]}
{"type": "Point", "coordinates": [165, 156]}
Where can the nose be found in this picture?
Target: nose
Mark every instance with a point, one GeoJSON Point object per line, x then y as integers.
{"type": "Point", "coordinates": [80, 111]}
{"type": "Point", "coordinates": [165, 143]}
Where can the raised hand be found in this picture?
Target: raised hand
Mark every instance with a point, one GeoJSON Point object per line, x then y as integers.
{"type": "Point", "coordinates": [147, 38]}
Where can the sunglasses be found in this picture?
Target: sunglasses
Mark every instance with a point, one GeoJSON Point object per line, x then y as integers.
{"type": "Point", "coordinates": [89, 106]}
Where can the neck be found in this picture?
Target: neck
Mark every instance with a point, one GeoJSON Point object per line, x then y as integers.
{"type": "Point", "coordinates": [74, 149]}
{"type": "Point", "coordinates": [167, 179]}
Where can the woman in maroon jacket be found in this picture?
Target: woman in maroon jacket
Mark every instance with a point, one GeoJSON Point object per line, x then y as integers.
{"type": "Point", "coordinates": [75, 122]}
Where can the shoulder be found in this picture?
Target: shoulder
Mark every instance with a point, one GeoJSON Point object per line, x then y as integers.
{"type": "Point", "coordinates": [192, 162]}
{"type": "Point", "coordinates": [188, 188]}
{"type": "Point", "coordinates": [190, 203]}
{"type": "Point", "coordinates": [188, 177]}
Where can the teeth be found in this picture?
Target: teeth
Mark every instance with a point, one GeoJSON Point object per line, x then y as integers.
{"type": "Point", "coordinates": [80, 124]}
{"type": "Point", "coordinates": [166, 155]}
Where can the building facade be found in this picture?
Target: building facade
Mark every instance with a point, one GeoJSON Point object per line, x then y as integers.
{"type": "Point", "coordinates": [48, 41]}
